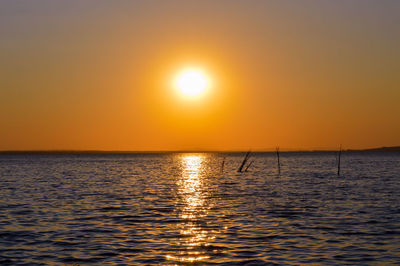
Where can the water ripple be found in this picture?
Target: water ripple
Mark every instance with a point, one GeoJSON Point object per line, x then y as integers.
{"type": "Point", "coordinates": [181, 209]}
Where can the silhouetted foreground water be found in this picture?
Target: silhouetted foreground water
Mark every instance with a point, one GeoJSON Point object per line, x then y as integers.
{"type": "Point", "coordinates": [179, 208]}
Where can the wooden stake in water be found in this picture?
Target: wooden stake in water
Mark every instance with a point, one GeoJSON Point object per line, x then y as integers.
{"type": "Point", "coordinates": [222, 165]}
{"type": "Point", "coordinates": [246, 157]}
{"type": "Point", "coordinates": [248, 166]}
{"type": "Point", "coordinates": [279, 164]}
{"type": "Point", "coordinates": [338, 166]}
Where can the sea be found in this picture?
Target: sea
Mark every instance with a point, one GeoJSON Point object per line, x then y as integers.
{"type": "Point", "coordinates": [197, 209]}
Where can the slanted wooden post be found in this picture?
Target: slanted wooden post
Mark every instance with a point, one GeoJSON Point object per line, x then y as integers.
{"type": "Point", "coordinates": [248, 166]}
{"type": "Point", "coordinates": [246, 157]}
{"type": "Point", "coordinates": [279, 164]}
{"type": "Point", "coordinates": [339, 154]}
{"type": "Point", "coordinates": [222, 165]}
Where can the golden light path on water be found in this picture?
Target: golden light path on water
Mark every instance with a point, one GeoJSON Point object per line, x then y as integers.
{"type": "Point", "coordinates": [192, 206]}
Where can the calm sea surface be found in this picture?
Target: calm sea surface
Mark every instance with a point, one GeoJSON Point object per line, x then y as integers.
{"type": "Point", "coordinates": [177, 209]}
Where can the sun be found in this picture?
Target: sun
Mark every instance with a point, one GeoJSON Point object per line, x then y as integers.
{"type": "Point", "coordinates": [192, 83]}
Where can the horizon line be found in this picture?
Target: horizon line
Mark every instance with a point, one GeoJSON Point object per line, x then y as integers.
{"type": "Point", "coordinates": [89, 151]}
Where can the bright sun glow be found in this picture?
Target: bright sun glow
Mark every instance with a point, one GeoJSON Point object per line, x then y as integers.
{"type": "Point", "coordinates": [192, 83]}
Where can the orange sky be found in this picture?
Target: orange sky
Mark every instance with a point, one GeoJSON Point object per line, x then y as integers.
{"type": "Point", "coordinates": [86, 75]}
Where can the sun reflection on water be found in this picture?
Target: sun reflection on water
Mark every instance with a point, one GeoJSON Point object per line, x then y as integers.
{"type": "Point", "coordinates": [193, 208]}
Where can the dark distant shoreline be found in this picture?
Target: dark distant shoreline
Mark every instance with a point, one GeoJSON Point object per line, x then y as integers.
{"type": "Point", "coordinates": [44, 152]}
{"type": "Point", "coordinates": [392, 148]}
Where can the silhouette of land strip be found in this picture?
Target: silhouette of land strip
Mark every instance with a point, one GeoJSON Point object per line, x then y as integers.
{"type": "Point", "coordinates": [43, 152]}
{"type": "Point", "coordinates": [392, 148]}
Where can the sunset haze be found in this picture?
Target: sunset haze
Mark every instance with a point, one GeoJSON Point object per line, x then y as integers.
{"type": "Point", "coordinates": [99, 75]}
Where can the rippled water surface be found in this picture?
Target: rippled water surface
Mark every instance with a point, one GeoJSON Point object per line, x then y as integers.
{"type": "Point", "coordinates": [184, 208]}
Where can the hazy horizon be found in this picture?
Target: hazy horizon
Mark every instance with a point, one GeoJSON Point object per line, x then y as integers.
{"type": "Point", "coordinates": [271, 150]}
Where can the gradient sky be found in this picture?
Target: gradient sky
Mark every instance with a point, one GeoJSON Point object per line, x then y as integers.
{"type": "Point", "coordinates": [295, 74]}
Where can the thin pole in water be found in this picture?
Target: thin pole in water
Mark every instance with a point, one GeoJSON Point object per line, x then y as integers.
{"type": "Point", "coordinates": [248, 166]}
{"type": "Point", "coordinates": [339, 154]}
{"type": "Point", "coordinates": [279, 164]}
{"type": "Point", "coordinates": [222, 165]}
{"type": "Point", "coordinates": [246, 157]}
